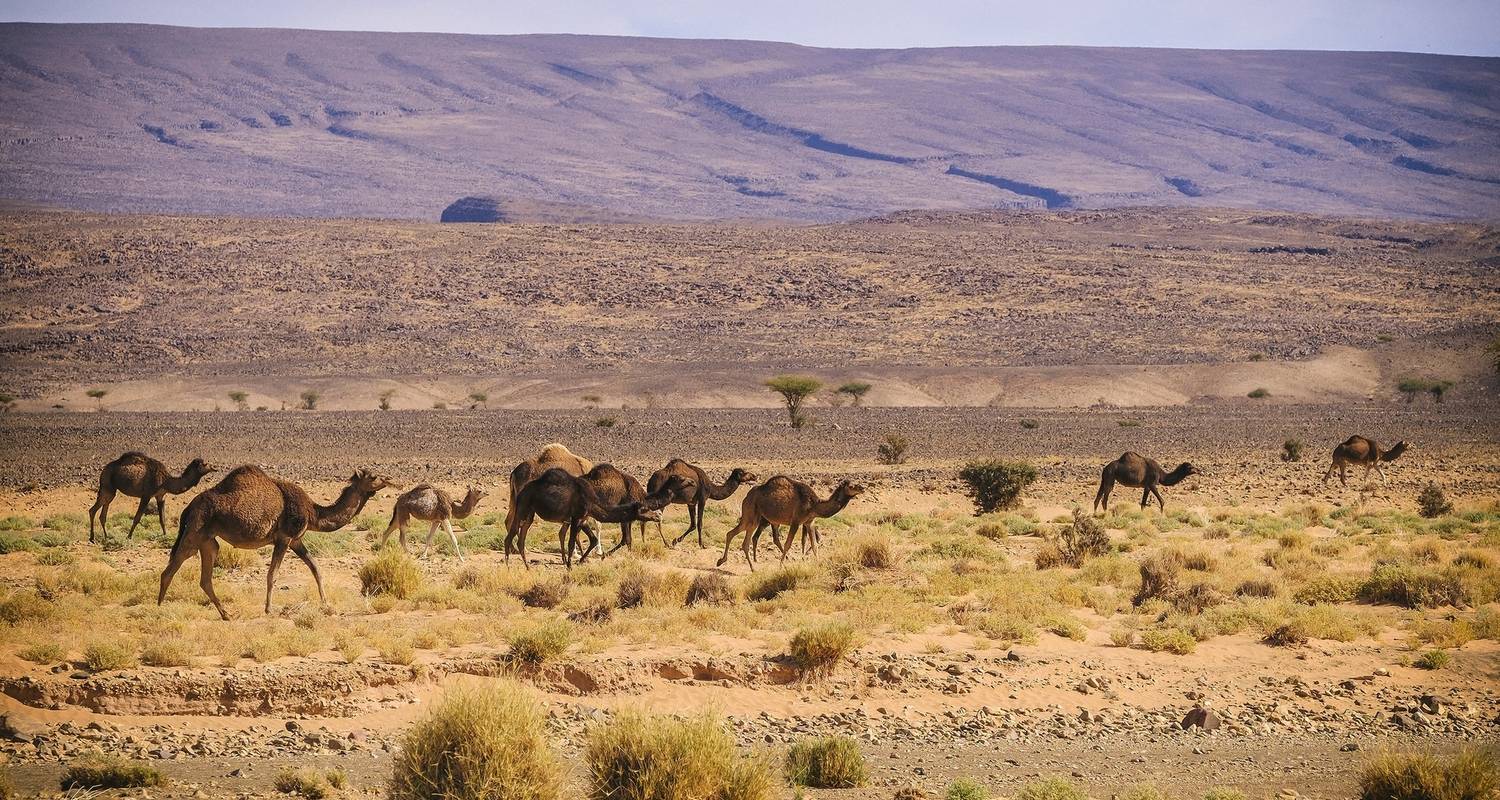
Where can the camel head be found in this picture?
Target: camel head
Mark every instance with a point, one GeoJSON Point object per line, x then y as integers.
{"type": "Point", "coordinates": [196, 469]}
{"type": "Point", "coordinates": [742, 475]}
{"type": "Point", "coordinates": [1180, 474]}
{"type": "Point", "coordinates": [1395, 452]}
{"type": "Point", "coordinates": [367, 483]}
{"type": "Point", "coordinates": [643, 514]}
{"type": "Point", "coordinates": [849, 489]}
{"type": "Point", "coordinates": [474, 495]}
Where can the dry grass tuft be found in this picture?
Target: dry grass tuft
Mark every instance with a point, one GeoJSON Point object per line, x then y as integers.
{"type": "Point", "coordinates": [831, 762]}
{"type": "Point", "coordinates": [817, 650]}
{"type": "Point", "coordinates": [107, 772]}
{"type": "Point", "coordinates": [711, 588]}
{"type": "Point", "coordinates": [1469, 775]}
{"type": "Point", "coordinates": [167, 653]}
{"type": "Point", "coordinates": [106, 656]}
{"type": "Point", "coordinates": [541, 642]}
{"type": "Point", "coordinates": [305, 782]}
{"type": "Point", "coordinates": [643, 757]}
{"type": "Point", "coordinates": [391, 573]}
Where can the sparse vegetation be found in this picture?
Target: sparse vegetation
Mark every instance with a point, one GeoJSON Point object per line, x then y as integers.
{"type": "Point", "coordinates": [392, 573]}
{"type": "Point", "coordinates": [855, 391]}
{"type": "Point", "coordinates": [240, 399]}
{"type": "Point", "coordinates": [309, 398]}
{"type": "Point", "coordinates": [1434, 659]}
{"type": "Point", "coordinates": [1291, 450]}
{"type": "Point", "coordinates": [106, 772]}
{"type": "Point", "coordinates": [1433, 502]}
{"type": "Point", "coordinates": [479, 400]}
{"type": "Point", "coordinates": [710, 588]}
{"type": "Point", "coordinates": [305, 782]}
{"type": "Point", "coordinates": [606, 422]}
{"type": "Point", "coordinates": [1258, 393]}
{"type": "Point", "coordinates": [1411, 387]}
{"type": "Point", "coordinates": [1468, 775]}
{"type": "Point", "coordinates": [831, 762]}
{"type": "Point", "coordinates": [1078, 541]}
{"type": "Point", "coordinates": [1030, 424]}
{"type": "Point", "coordinates": [794, 391]}
{"type": "Point", "coordinates": [385, 399]}
{"type": "Point", "coordinates": [540, 643]}
{"type": "Point", "coordinates": [966, 789]}
{"type": "Point", "coordinates": [817, 650]}
{"type": "Point", "coordinates": [892, 449]}
{"type": "Point", "coordinates": [104, 656]}
{"type": "Point", "coordinates": [996, 485]}
{"type": "Point", "coordinates": [1051, 788]}
{"type": "Point", "coordinates": [98, 396]}
{"type": "Point", "coordinates": [645, 757]}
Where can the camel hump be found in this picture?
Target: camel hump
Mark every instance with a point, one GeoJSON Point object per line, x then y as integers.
{"type": "Point", "coordinates": [132, 455]}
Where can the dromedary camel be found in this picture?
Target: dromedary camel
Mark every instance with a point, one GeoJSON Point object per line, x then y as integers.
{"type": "Point", "coordinates": [250, 509]}
{"type": "Point", "coordinates": [138, 475]}
{"type": "Point", "coordinates": [783, 501]}
{"type": "Point", "coordinates": [1364, 451]}
{"type": "Point", "coordinates": [553, 455]}
{"type": "Point", "coordinates": [614, 488]}
{"type": "Point", "coordinates": [557, 496]}
{"type": "Point", "coordinates": [1138, 472]}
{"type": "Point", "coordinates": [431, 505]}
{"type": "Point", "coordinates": [704, 490]}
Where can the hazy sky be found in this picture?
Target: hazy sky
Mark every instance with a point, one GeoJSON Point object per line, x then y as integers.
{"type": "Point", "coordinates": [1439, 26]}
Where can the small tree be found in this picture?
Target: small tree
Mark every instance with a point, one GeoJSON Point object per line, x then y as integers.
{"type": "Point", "coordinates": [98, 395]}
{"type": "Point", "coordinates": [856, 390]}
{"type": "Point", "coordinates": [1432, 502]}
{"type": "Point", "coordinates": [794, 390]}
{"type": "Point", "coordinates": [310, 398]}
{"type": "Point", "coordinates": [892, 449]}
{"type": "Point", "coordinates": [385, 399]}
{"type": "Point", "coordinates": [1439, 388]}
{"type": "Point", "coordinates": [996, 484]}
{"type": "Point", "coordinates": [1291, 450]}
{"type": "Point", "coordinates": [240, 399]}
{"type": "Point", "coordinates": [480, 399]}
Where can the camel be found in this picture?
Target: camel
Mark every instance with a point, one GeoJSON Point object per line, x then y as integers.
{"type": "Point", "coordinates": [783, 501]}
{"type": "Point", "coordinates": [704, 490]}
{"type": "Point", "coordinates": [432, 505]}
{"type": "Point", "coordinates": [559, 496]}
{"type": "Point", "coordinates": [615, 488]}
{"type": "Point", "coordinates": [1138, 472]}
{"type": "Point", "coordinates": [553, 455]}
{"type": "Point", "coordinates": [138, 475]}
{"type": "Point", "coordinates": [1364, 451]}
{"type": "Point", "coordinates": [250, 509]}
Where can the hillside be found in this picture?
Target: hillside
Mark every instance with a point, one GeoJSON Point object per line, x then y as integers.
{"type": "Point", "coordinates": [127, 118]}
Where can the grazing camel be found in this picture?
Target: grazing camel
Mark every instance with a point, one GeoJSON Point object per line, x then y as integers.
{"type": "Point", "coordinates": [703, 491]}
{"type": "Point", "coordinates": [250, 509]}
{"type": "Point", "coordinates": [1364, 451]}
{"type": "Point", "coordinates": [1138, 472]}
{"type": "Point", "coordinates": [615, 488]}
{"type": "Point", "coordinates": [553, 455]}
{"type": "Point", "coordinates": [432, 505]}
{"type": "Point", "coordinates": [138, 475]}
{"type": "Point", "coordinates": [783, 501]}
{"type": "Point", "coordinates": [558, 496]}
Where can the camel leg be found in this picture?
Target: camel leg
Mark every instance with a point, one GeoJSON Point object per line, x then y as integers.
{"type": "Point", "coordinates": [300, 549]}
{"type": "Point", "coordinates": [698, 523]}
{"type": "Point", "coordinates": [592, 532]}
{"type": "Point", "coordinates": [624, 538]}
{"type": "Point", "coordinates": [565, 543]}
{"type": "Point", "coordinates": [431, 531]}
{"type": "Point", "coordinates": [692, 526]}
{"type": "Point", "coordinates": [1106, 485]}
{"type": "Point", "coordinates": [1156, 490]}
{"type": "Point", "coordinates": [522, 528]}
{"type": "Point", "coordinates": [1380, 472]}
{"type": "Point", "coordinates": [101, 505]}
{"type": "Point", "coordinates": [208, 555]}
{"type": "Point", "coordinates": [1343, 475]}
{"type": "Point", "coordinates": [1145, 497]}
{"type": "Point", "coordinates": [179, 555]}
{"type": "Point", "coordinates": [161, 513]}
{"type": "Point", "coordinates": [458, 551]}
{"type": "Point", "coordinates": [1329, 474]}
{"type": "Point", "coordinates": [728, 538]}
{"type": "Point", "coordinates": [278, 552]}
{"type": "Point", "coordinates": [397, 524]}
{"type": "Point", "coordinates": [146, 503]}
{"type": "Point", "coordinates": [791, 536]}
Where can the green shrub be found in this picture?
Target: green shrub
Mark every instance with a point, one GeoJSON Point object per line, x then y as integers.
{"type": "Point", "coordinates": [770, 585]}
{"type": "Point", "coordinates": [540, 643]}
{"type": "Point", "coordinates": [22, 607]}
{"type": "Point", "coordinates": [966, 789]}
{"type": "Point", "coordinates": [480, 741]}
{"type": "Point", "coordinates": [105, 656]}
{"type": "Point", "coordinates": [392, 573]}
{"type": "Point", "coordinates": [892, 449]}
{"type": "Point", "coordinates": [1329, 589]}
{"type": "Point", "coordinates": [11, 543]}
{"type": "Point", "coordinates": [1143, 791]}
{"type": "Point", "coordinates": [1258, 393]}
{"type": "Point", "coordinates": [43, 653]}
{"type": "Point", "coordinates": [817, 650]}
{"type": "Point", "coordinates": [1468, 775]}
{"type": "Point", "coordinates": [1432, 502]}
{"type": "Point", "coordinates": [1291, 450]}
{"type": "Point", "coordinates": [1434, 659]}
{"type": "Point", "coordinates": [1172, 640]}
{"type": "Point", "coordinates": [306, 782]}
{"type": "Point", "coordinates": [1051, 788]}
{"type": "Point", "coordinates": [640, 757]}
{"type": "Point", "coordinates": [995, 485]}
{"type": "Point", "coordinates": [1223, 793]}
{"type": "Point", "coordinates": [167, 653]}
{"type": "Point", "coordinates": [831, 762]}
{"type": "Point", "coordinates": [1412, 587]}
{"type": "Point", "coordinates": [106, 772]}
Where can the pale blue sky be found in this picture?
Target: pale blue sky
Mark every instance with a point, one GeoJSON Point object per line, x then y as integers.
{"type": "Point", "coordinates": [1470, 27]}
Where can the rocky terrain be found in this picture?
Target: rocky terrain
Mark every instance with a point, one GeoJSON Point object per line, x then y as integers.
{"type": "Point", "coordinates": [133, 118]}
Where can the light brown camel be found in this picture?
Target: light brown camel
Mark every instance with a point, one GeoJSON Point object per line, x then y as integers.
{"type": "Point", "coordinates": [431, 505]}
{"type": "Point", "coordinates": [1138, 472]}
{"type": "Point", "coordinates": [558, 496]}
{"type": "Point", "coordinates": [250, 509]}
{"type": "Point", "coordinates": [138, 475]}
{"type": "Point", "coordinates": [783, 501]}
{"type": "Point", "coordinates": [553, 455]}
{"type": "Point", "coordinates": [704, 490]}
{"type": "Point", "coordinates": [616, 488]}
{"type": "Point", "coordinates": [1364, 451]}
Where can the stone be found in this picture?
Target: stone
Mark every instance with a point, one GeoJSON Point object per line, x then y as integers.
{"type": "Point", "coordinates": [1201, 717]}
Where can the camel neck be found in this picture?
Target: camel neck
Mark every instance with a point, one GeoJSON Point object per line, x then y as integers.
{"type": "Point", "coordinates": [723, 490]}
{"type": "Point", "coordinates": [333, 517]}
{"type": "Point", "coordinates": [833, 505]}
{"type": "Point", "coordinates": [464, 507]}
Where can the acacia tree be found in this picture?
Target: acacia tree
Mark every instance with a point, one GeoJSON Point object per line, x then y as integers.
{"type": "Point", "coordinates": [480, 399]}
{"type": "Point", "coordinates": [240, 399]}
{"type": "Point", "coordinates": [310, 399]}
{"type": "Point", "coordinates": [856, 391]}
{"type": "Point", "coordinates": [794, 390]}
{"type": "Point", "coordinates": [98, 395]}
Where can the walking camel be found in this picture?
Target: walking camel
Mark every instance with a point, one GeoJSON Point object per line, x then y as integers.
{"type": "Point", "coordinates": [433, 506]}
{"type": "Point", "coordinates": [138, 475]}
{"type": "Point", "coordinates": [783, 501]}
{"type": "Point", "coordinates": [696, 498]}
{"type": "Point", "coordinates": [616, 488]}
{"type": "Point", "coordinates": [1138, 472]}
{"type": "Point", "coordinates": [558, 496]}
{"type": "Point", "coordinates": [1364, 451]}
{"type": "Point", "coordinates": [553, 455]}
{"type": "Point", "coordinates": [250, 509]}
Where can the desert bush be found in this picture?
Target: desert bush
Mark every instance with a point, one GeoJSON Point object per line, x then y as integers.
{"type": "Point", "coordinates": [830, 762]}
{"type": "Point", "coordinates": [107, 772]}
{"type": "Point", "coordinates": [1051, 788]}
{"type": "Point", "coordinates": [1443, 632]}
{"type": "Point", "coordinates": [541, 642]}
{"type": "Point", "coordinates": [1159, 574]}
{"type": "Point", "coordinates": [479, 742]}
{"type": "Point", "coordinates": [544, 593]}
{"type": "Point", "coordinates": [1433, 659]}
{"type": "Point", "coordinates": [1291, 450]}
{"type": "Point", "coordinates": [1329, 589]}
{"type": "Point", "coordinates": [996, 485]}
{"type": "Point", "coordinates": [872, 551]}
{"type": "Point", "coordinates": [892, 449]}
{"type": "Point", "coordinates": [606, 422]}
{"type": "Point", "coordinates": [337, 778]}
{"type": "Point", "coordinates": [1122, 636]}
{"type": "Point", "coordinates": [1412, 587]}
{"type": "Point", "coordinates": [1432, 502]}
{"type": "Point", "coordinates": [1478, 559]}
{"type": "Point", "coordinates": [54, 557]}
{"type": "Point", "coordinates": [1143, 791]}
{"type": "Point", "coordinates": [711, 588]}
{"type": "Point", "coordinates": [43, 653]}
{"type": "Point", "coordinates": [770, 585]}
{"type": "Point", "coordinates": [1081, 539]}
{"type": "Point", "coordinates": [391, 573]}
{"type": "Point", "coordinates": [1258, 587]}
{"type": "Point", "coordinates": [1486, 623]}
{"type": "Point", "coordinates": [818, 649]}
{"type": "Point", "coordinates": [592, 608]}
{"type": "Point", "coordinates": [1197, 598]}
{"type": "Point", "coordinates": [640, 757]}
{"type": "Point", "coordinates": [1171, 640]}
{"type": "Point", "coordinates": [641, 586]}
{"type": "Point", "coordinates": [1466, 775]}
{"type": "Point", "coordinates": [310, 398]}
{"type": "Point", "coordinates": [1223, 793]}
{"type": "Point", "coordinates": [1030, 424]}
{"type": "Point", "coordinates": [167, 653]}
{"type": "Point", "coordinates": [1258, 393]}
{"type": "Point", "coordinates": [396, 650]}
{"type": "Point", "coordinates": [22, 607]}
{"type": "Point", "coordinates": [104, 656]}
{"type": "Point", "coordinates": [1291, 634]}
{"type": "Point", "coordinates": [966, 789]}
{"type": "Point", "coordinates": [305, 782]}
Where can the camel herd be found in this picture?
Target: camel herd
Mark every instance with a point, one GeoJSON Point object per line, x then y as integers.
{"type": "Point", "coordinates": [250, 509]}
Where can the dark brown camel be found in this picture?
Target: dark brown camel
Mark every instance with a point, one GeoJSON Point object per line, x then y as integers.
{"type": "Point", "coordinates": [1363, 451]}
{"type": "Point", "coordinates": [553, 455]}
{"type": "Point", "coordinates": [616, 488]}
{"type": "Point", "coordinates": [1138, 472]}
{"type": "Point", "coordinates": [783, 501]}
{"type": "Point", "coordinates": [434, 506]}
{"type": "Point", "coordinates": [138, 475]}
{"type": "Point", "coordinates": [557, 496]}
{"type": "Point", "coordinates": [250, 509]}
{"type": "Point", "coordinates": [704, 490]}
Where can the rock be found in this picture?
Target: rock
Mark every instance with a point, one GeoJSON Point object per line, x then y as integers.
{"type": "Point", "coordinates": [1349, 747]}
{"type": "Point", "coordinates": [1201, 717]}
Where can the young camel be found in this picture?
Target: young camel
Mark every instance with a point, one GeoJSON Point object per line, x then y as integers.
{"type": "Point", "coordinates": [431, 505]}
{"type": "Point", "coordinates": [616, 488]}
{"type": "Point", "coordinates": [138, 475]}
{"type": "Point", "coordinates": [553, 455]}
{"type": "Point", "coordinates": [250, 509]}
{"type": "Point", "coordinates": [702, 491]}
{"type": "Point", "coordinates": [557, 496]}
{"type": "Point", "coordinates": [1363, 451]}
{"type": "Point", "coordinates": [1138, 472]}
{"type": "Point", "coordinates": [783, 501]}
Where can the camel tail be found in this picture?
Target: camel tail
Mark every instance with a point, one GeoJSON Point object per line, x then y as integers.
{"type": "Point", "coordinates": [183, 523]}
